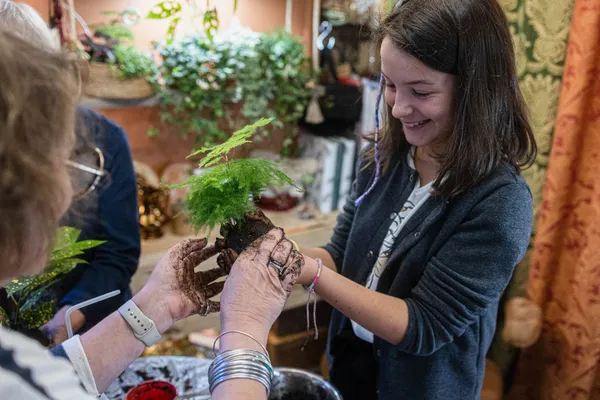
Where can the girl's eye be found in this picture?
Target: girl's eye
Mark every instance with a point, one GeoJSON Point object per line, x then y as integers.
{"type": "Point", "coordinates": [420, 94]}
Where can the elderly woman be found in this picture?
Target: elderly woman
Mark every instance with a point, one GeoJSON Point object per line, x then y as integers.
{"type": "Point", "coordinates": [40, 91]}
{"type": "Point", "coordinates": [109, 203]}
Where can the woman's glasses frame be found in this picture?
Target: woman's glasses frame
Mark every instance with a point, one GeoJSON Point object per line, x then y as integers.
{"type": "Point", "coordinates": [98, 173]}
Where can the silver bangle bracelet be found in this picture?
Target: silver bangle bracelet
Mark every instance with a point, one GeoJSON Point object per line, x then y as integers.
{"type": "Point", "coordinates": [240, 364]}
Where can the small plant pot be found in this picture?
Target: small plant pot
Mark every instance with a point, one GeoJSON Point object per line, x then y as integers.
{"type": "Point", "coordinates": [153, 390]}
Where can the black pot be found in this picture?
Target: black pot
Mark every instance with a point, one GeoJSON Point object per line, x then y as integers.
{"type": "Point", "coordinates": [296, 384]}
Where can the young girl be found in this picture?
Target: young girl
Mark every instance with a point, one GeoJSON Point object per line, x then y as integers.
{"type": "Point", "coordinates": [439, 214]}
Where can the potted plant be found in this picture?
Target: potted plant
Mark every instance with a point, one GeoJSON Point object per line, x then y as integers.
{"type": "Point", "coordinates": [224, 195]}
{"type": "Point", "coordinates": [29, 301]}
{"type": "Point", "coordinates": [117, 69]}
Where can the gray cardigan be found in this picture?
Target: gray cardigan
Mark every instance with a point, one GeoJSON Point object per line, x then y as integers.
{"type": "Point", "coordinates": [451, 262]}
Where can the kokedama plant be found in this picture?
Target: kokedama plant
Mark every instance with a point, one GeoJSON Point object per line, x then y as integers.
{"type": "Point", "coordinates": [225, 194]}
{"type": "Point", "coordinates": [29, 301]}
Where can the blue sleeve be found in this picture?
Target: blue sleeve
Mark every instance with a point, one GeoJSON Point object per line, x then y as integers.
{"type": "Point", "coordinates": [59, 351]}
{"type": "Point", "coordinates": [470, 271]}
{"type": "Point", "coordinates": [112, 264]}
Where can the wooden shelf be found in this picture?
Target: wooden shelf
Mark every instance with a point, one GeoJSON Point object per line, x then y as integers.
{"type": "Point", "coordinates": [96, 103]}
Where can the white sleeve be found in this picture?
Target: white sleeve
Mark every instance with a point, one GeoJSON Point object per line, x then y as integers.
{"type": "Point", "coordinates": [28, 371]}
{"type": "Point", "coordinates": [80, 363]}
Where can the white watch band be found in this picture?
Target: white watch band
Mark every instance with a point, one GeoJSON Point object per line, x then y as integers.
{"type": "Point", "coordinates": [143, 327]}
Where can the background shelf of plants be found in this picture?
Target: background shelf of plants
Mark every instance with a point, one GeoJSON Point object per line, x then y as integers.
{"type": "Point", "coordinates": [212, 82]}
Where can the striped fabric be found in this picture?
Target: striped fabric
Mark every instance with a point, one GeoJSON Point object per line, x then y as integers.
{"type": "Point", "coordinates": [29, 372]}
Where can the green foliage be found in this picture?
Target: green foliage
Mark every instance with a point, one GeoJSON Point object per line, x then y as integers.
{"type": "Point", "coordinates": [114, 31]}
{"type": "Point", "coordinates": [202, 83]}
{"type": "Point", "coordinates": [164, 10]}
{"type": "Point", "coordinates": [131, 63]}
{"type": "Point", "coordinates": [225, 193]}
{"type": "Point", "coordinates": [211, 23]}
{"type": "Point", "coordinates": [33, 307]}
{"type": "Point", "coordinates": [32, 318]}
{"type": "Point", "coordinates": [237, 139]}
{"type": "Point", "coordinates": [172, 10]}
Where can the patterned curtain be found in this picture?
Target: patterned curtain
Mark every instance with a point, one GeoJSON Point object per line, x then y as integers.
{"type": "Point", "coordinates": [565, 265]}
{"type": "Point", "coordinates": [540, 29]}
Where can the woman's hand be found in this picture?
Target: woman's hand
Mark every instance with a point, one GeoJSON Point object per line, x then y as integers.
{"type": "Point", "coordinates": [176, 289]}
{"type": "Point", "coordinates": [56, 328]}
{"type": "Point", "coordinates": [255, 292]}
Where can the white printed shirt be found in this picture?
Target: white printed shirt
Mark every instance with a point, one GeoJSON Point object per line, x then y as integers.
{"type": "Point", "coordinates": [419, 195]}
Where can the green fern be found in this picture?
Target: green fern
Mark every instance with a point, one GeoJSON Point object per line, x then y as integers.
{"type": "Point", "coordinates": [225, 193]}
{"type": "Point", "coordinates": [237, 139]}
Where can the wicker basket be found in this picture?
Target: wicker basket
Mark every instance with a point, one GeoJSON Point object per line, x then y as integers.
{"type": "Point", "coordinates": [103, 82]}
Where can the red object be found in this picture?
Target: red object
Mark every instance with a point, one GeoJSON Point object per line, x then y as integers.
{"type": "Point", "coordinates": [153, 390]}
{"type": "Point", "coordinates": [349, 82]}
{"type": "Point", "coordinates": [282, 202]}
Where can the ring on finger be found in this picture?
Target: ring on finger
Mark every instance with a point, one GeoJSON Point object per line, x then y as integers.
{"type": "Point", "coordinates": [205, 312]}
{"type": "Point", "coordinates": [278, 267]}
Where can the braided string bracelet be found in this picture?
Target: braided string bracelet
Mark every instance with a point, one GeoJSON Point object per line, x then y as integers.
{"type": "Point", "coordinates": [312, 296]}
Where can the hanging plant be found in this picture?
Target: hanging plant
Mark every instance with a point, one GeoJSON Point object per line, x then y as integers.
{"type": "Point", "coordinates": [111, 44]}
{"type": "Point", "coordinates": [205, 83]}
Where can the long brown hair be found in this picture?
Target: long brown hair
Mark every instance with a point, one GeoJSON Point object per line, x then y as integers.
{"type": "Point", "coordinates": [469, 39]}
{"type": "Point", "coordinates": [40, 91]}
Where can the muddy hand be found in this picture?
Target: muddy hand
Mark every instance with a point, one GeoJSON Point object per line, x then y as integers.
{"type": "Point", "coordinates": [256, 291]}
{"type": "Point", "coordinates": [175, 283]}
{"type": "Point", "coordinates": [286, 262]}
{"type": "Point", "coordinates": [226, 259]}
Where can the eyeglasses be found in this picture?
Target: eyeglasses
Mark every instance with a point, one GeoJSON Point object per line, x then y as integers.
{"type": "Point", "coordinates": [87, 166]}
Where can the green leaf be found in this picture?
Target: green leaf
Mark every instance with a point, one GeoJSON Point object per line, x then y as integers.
{"type": "Point", "coordinates": [74, 249]}
{"type": "Point", "coordinates": [52, 274]}
{"type": "Point", "coordinates": [33, 299]}
{"type": "Point", "coordinates": [171, 31]}
{"type": "Point", "coordinates": [60, 262]}
{"type": "Point", "coordinates": [17, 285]}
{"type": "Point", "coordinates": [153, 132]}
{"type": "Point", "coordinates": [65, 236]}
{"type": "Point", "coordinates": [37, 316]}
{"type": "Point", "coordinates": [235, 4]}
{"type": "Point", "coordinates": [211, 23]}
{"type": "Point", "coordinates": [164, 10]}
{"type": "Point", "coordinates": [237, 139]}
{"type": "Point", "coordinates": [4, 318]}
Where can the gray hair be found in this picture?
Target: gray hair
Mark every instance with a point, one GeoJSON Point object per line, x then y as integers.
{"type": "Point", "coordinates": [22, 20]}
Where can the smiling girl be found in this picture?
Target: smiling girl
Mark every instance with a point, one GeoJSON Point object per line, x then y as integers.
{"type": "Point", "coordinates": [439, 214]}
